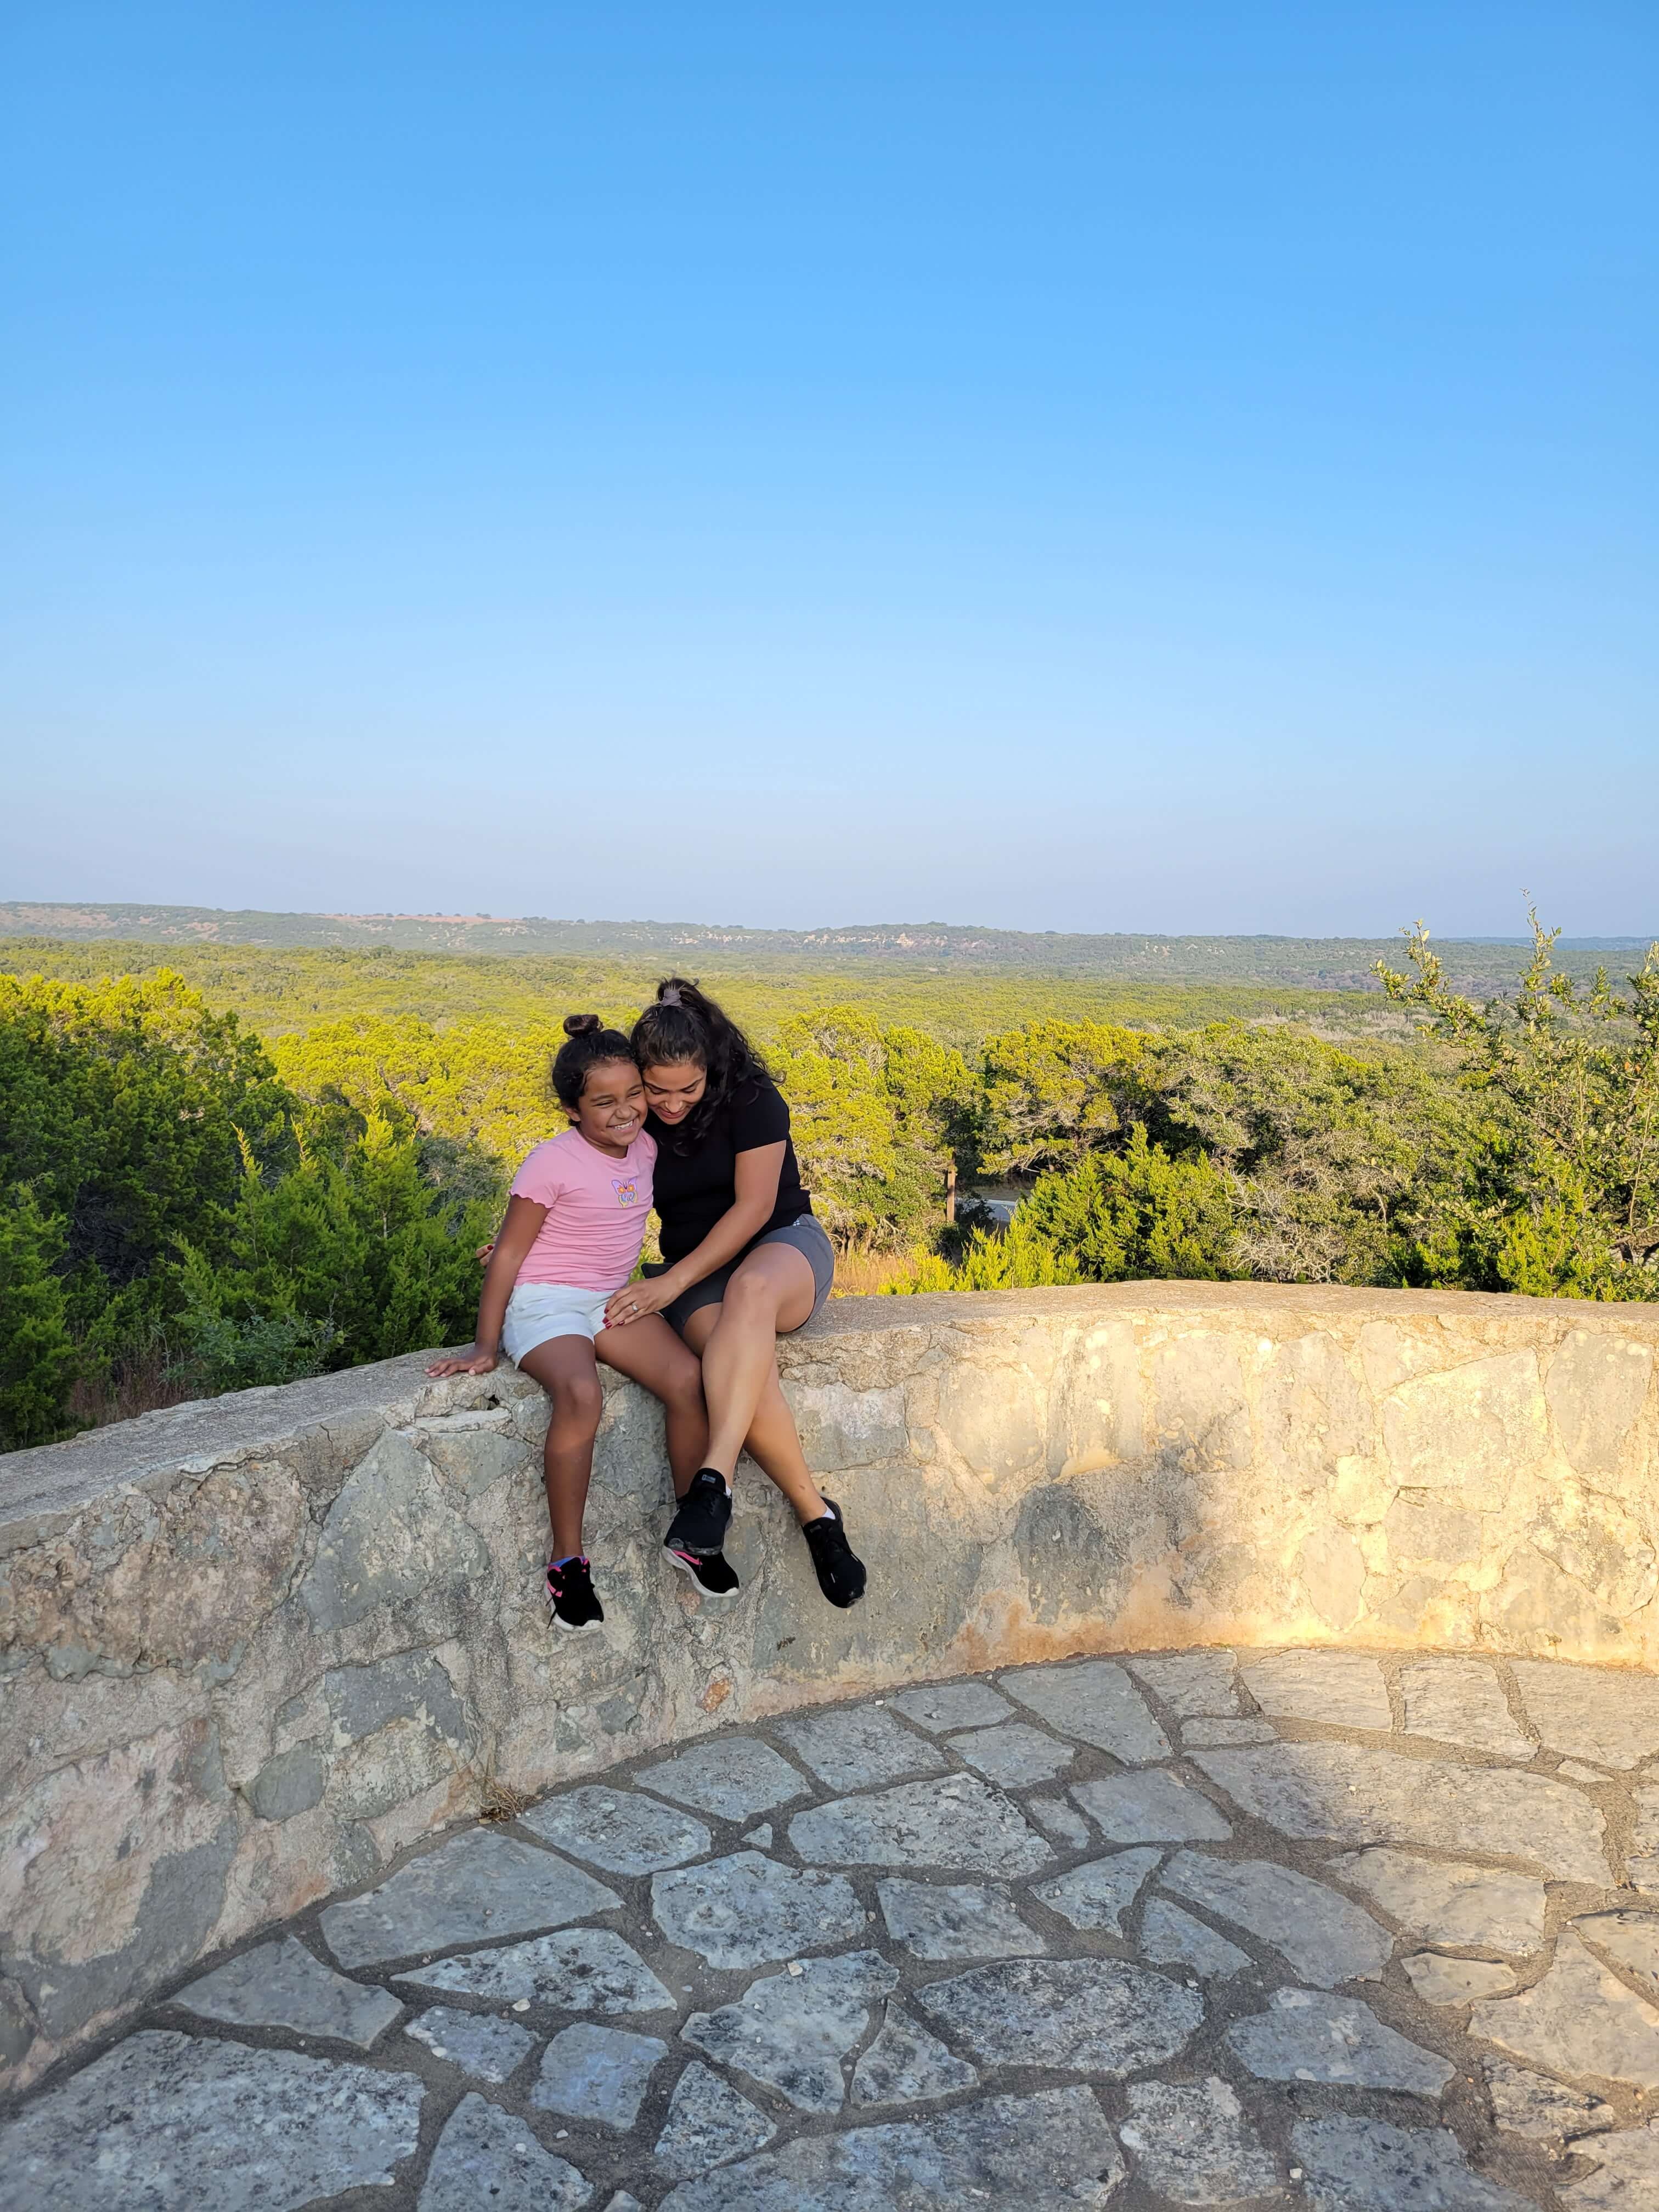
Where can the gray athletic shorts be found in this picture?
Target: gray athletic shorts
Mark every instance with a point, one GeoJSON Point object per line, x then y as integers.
{"type": "Point", "coordinates": [807, 1236]}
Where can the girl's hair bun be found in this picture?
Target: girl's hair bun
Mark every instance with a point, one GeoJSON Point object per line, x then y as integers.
{"type": "Point", "coordinates": [580, 1024]}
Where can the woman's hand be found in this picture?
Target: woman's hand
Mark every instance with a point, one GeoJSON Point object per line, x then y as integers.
{"type": "Point", "coordinates": [634, 1300]}
{"type": "Point", "coordinates": [475, 1360]}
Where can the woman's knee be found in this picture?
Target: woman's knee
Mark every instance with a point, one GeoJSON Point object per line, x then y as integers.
{"type": "Point", "coordinates": [751, 1300]}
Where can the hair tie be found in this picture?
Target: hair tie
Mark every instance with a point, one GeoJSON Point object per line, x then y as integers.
{"type": "Point", "coordinates": [670, 996]}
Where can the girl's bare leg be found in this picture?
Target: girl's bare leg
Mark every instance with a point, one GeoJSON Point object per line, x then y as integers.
{"type": "Point", "coordinates": [648, 1352]}
{"type": "Point", "coordinates": [564, 1366]}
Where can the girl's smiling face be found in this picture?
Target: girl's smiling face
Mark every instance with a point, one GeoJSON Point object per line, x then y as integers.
{"type": "Point", "coordinates": [673, 1089]}
{"type": "Point", "coordinates": [611, 1112]}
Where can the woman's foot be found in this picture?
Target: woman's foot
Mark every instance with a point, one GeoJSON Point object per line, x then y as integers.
{"type": "Point", "coordinates": [704, 1515]}
{"type": "Point", "coordinates": [840, 1571]}
{"type": "Point", "coordinates": [713, 1576]}
{"type": "Point", "coordinates": [571, 1604]}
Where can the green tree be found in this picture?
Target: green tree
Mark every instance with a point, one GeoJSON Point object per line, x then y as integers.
{"type": "Point", "coordinates": [1559, 1188]}
{"type": "Point", "coordinates": [1054, 1090]}
{"type": "Point", "coordinates": [37, 1354]}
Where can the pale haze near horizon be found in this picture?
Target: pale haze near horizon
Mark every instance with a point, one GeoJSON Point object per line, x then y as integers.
{"type": "Point", "coordinates": [1077, 468]}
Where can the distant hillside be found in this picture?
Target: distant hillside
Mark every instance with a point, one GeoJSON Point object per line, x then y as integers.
{"type": "Point", "coordinates": [1340, 963]}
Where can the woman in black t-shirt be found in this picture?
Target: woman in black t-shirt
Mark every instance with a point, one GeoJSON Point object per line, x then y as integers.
{"type": "Point", "coordinates": [743, 1262]}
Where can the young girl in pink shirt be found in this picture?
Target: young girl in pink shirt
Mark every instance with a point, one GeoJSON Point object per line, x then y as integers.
{"type": "Point", "coordinates": [571, 1240]}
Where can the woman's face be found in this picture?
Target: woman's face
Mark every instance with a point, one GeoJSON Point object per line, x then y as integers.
{"type": "Point", "coordinates": [673, 1088]}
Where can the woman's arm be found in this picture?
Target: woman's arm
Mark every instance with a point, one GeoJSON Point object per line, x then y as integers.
{"type": "Point", "coordinates": [756, 1182]}
{"type": "Point", "coordinates": [516, 1235]}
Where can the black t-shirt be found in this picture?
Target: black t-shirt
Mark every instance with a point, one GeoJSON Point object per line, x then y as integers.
{"type": "Point", "coordinates": [694, 1188]}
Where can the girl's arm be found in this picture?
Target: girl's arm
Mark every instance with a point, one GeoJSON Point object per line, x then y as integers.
{"type": "Point", "coordinates": [516, 1235]}
{"type": "Point", "coordinates": [756, 1182]}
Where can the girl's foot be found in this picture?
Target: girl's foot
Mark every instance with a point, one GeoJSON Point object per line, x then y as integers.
{"type": "Point", "coordinates": [571, 1604]}
{"type": "Point", "coordinates": [712, 1575]}
{"type": "Point", "coordinates": [840, 1571]}
{"type": "Point", "coordinates": [704, 1517]}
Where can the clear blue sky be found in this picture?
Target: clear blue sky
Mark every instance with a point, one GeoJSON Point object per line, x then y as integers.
{"type": "Point", "coordinates": [1104, 467]}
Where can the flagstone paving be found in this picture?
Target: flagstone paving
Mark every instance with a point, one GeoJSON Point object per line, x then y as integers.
{"type": "Point", "coordinates": [1379, 1934]}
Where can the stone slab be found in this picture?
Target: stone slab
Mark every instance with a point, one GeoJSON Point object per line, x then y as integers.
{"type": "Point", "coordinates": [619, 1831]}
{"type": "Point", "coordinates": [485, 2156]}
{"type": "Point", "coordinates": [1054, 2152]}
{"type": "Point", "coordinates": [1336, 1689]}
{"type": "Point", "coordinates": [1448, 1902]}
{"type": "Point", "coordinates": [1190, 1685]}
{"type": "Point", "coordinates": [1326, 1938]}
{"type": "Point", "coordinates": [1531, 2104]}
{"type": "Point", "coordinates": [281, 1984]}
{"type": "Point", "coordinates": [858, 1747]}
{"type": "Point", "coordinates": [956, 1822]}
{"type": "Point", "coordinates": [1354, 2165]}
{"type": "Point", "coordinates": [1097, 1894]}
{"type": "Point", "coordinates": [947, 1705]}
{"type": "Point", "coordinates": [792, 2031]}
{"type": "Point", "coordinates": [1631, 1940]}
{"type": "Point", "coordinates": [734, 1779]}
{"type": "Point", "coordinates": [958, 1921]}
{"type": "Point", "coordinates": [1192, 2143]}
{"type": "Point", "coordinates": [1153, 1806]}
{"type": "Point", "coordinates": [1170, 1937]}
{"type": "Point", "coordinates": [746, 1910]}
{"type": "Point", "coordinates": [1203, 1735]}
{"type": "Point", "coordinates": [1442, 1981]}
{"type": "Point", "coordinates": [599, 2074]}
{"type": "Point", "coordinates": [1572, 1711]}
{"type": "Point", "coordinates": [1352, 1796]}
{"type": "Point", "coordinates": [478, 1884]}
{"type": "Point", "coordinates": [1060, 1822]}
{"type": "Point", "coordinates": [580, 1970]}
{"type": "Point", "coordinates": [905, 2065]}
{"type": "Point", "coordinates": [1095, 1701]}
{"type": "Point", "coordinates": [478, 2043]}
{"type": "Point", "coordinates": [1099, 2016]}
{"type": "Point", "coordinates": [166, 2124]}
{"type": "Point", "coordinates": [1307, 2035]}
{"type": "Point", "coordinates": [1461, 1701]}
{"type": "Point", "coordinates": [1627, 2177]}
{"type": "Point", "coordinates": [1579, 2020]}
{"type": "Point", "coordinates": [708, 2122]}
{"type": "Point", "coordinates": [1014, 1755]}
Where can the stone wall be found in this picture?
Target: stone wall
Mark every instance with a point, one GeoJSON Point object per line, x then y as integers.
{"type": "Point", "coordinates": [251, 1649]}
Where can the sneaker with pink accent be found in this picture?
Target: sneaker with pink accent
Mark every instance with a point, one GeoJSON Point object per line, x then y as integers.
{"type": "Point", "coordinates": [571, 1604]}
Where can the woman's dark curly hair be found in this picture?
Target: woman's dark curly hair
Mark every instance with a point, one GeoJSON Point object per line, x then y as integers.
{"type": "Point", "coordinates": [684, 1024]}
{"type": "Point", "coordinates": [587, 1043]}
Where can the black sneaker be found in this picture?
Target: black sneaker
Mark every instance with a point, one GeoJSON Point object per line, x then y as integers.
{"type": "Point", "coordinates": [705, 1514]}
{"type": "Point", "coordinates": [571, 1603]}
{"type": "Point", "coordinates": [713, 1576]}
{"type": "Point", "coordinates": [840, 1571]}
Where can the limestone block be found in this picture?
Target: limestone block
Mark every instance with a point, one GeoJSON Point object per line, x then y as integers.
{"type": "Point", "coordinates": [1596, 1386]}
{"type": "Point", "coordinates": [1476, 1426]}
{"type": "Point", "coordinates": [1602, 1546]}
{"type": "Point", "coordinates": [1198, 1400]}
{"type": "Point", "coordinates": [475, 1451]}
{"type": "Point", "coordinates": [1535, 1607]}
{"type": "Point", "coordinates": [291, 1782]}
{"type": "Point", "coordinates": [1424, 1531]}
{"type": "Point", "coordinates": [993, 1419]}
{"type": "Point", "coordinates": [1579, 2022]}
{"type": "Point", "coordinates": [1097, 1415]}
{"type": "Point", "coordinates": [1331, 1567]}
{"type": "Point", "coordinates": [391, 1537]}
{"type": "Point", "coordinates": [173, 1580]}
{"type": "Point", "coordinates": [842, 1427]}
{"type": "Point", "coordinates": [111, 1871]}
{"type": "Point", "coordinates": [1311, 1412]}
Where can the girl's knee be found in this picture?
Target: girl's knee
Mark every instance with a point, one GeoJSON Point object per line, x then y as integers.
{"type": "Point", "coordinates": [578, 1402]}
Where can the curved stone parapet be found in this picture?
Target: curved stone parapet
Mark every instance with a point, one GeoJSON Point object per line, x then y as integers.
{"type": "Point", "coordinates": [254, 1647]}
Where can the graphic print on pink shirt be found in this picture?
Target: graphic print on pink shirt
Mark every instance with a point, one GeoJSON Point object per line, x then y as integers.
{"type": "Point", "coordinates": [596, 1210]}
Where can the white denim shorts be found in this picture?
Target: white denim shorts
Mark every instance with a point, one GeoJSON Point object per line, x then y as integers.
{"type": "Point", "coordinates": [537, 1311]}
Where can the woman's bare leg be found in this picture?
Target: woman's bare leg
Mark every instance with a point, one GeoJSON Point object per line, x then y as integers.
{"type": "Point", "coordinates": [772, 1441]}
{"type": "Point", "coordinates": [769, 1294]}
{"type": "Point", "coordinates": [648, 1352]}
{"type": "Point", "coordinates": [565, 1369]}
